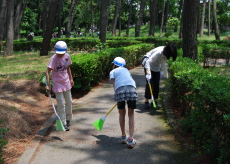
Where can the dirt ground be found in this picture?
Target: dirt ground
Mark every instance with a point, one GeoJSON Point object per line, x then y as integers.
{"type": "Point", "coordinates": [24, 107]}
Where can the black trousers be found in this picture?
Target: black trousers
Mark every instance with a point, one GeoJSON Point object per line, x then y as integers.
{"type": "Point", "coordinates": [155, 84]}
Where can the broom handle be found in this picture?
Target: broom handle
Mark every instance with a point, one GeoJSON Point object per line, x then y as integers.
{"type": "Point", "coordinates": [151, 93]}
{"type": "Point", "coordinates": [111, 109]}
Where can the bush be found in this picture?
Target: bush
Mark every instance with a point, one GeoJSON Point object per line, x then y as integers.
{"type": "Point", "coordinates": [203, 99]}
{"type": "Point", "coordinates": [89, 69]}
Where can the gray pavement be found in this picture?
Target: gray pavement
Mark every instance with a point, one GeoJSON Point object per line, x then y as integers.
{"type": "Point", "coordinates": [83, 144]}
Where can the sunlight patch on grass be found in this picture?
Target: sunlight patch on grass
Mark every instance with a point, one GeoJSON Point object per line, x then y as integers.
{"type": "Point", "coordinates": [22, 64]}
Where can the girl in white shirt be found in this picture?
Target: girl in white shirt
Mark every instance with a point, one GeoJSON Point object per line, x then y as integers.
{"type": "Point", "coordinates": [125, 92]}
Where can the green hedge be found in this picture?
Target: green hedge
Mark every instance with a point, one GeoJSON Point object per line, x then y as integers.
{"type": "Point", "coordinates": [74, 44]}
{"type": "Point", "coordinates": [203, 99]}
{"type": "Point", "coordinates": [214, 51]}
{"type": "Point", "coordinates": [89, 69]}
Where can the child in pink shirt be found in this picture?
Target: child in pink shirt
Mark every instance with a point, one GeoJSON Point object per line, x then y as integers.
{"type": "Point", "coordinates": [62, 82]}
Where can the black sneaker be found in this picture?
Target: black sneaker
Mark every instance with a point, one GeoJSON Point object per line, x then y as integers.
{"type": "Point", "coordinates": [146, 105]}
{"type": "Point", "coordinates": [66, 128]}
{"type": "Point", "coordinates": [68, 123]}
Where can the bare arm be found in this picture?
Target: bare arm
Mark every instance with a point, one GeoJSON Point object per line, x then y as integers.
{"type": "Point", "coordinates": [48, 86]}
{"type": "Point", "coordinates": [70, 76]}
{"type": "Point", "coordinates": [113, 82]}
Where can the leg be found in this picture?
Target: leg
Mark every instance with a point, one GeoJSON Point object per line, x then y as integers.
{"type": "Point", "coordinates": [122, 113]}
{"type": "Point", "coordinates": [155, 82]}
{"type": "Point", "coordinates": [61, 106]}
{"type": "Point", "coordinates": [131, 122]}
{"type": "Point", "coordinates": [68, 108]}
{"type": "Point", "coordinates": [131, 107]}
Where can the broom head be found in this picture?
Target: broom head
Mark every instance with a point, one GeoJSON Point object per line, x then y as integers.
{"type": "Point", "coordinates": [59, 126]}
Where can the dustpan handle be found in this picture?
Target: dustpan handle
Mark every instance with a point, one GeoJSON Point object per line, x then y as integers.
{"type": "Point", "coordinates": [53, 105]}
{"type": "Point", "coordinates": [52, 102]}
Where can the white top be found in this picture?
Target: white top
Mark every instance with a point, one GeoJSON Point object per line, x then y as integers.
{"type": "Point", "coordinates": [122, 77]}
{"type": "Point", "coordinates": [156, 60]}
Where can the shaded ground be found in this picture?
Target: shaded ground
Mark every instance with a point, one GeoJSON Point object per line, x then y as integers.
{"type": "Point", "coordinates": [23, 109]}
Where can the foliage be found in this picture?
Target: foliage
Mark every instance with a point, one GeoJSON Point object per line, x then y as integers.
{"type": "Point", "coordinates": [215, 51]}
{"type": "Point", "coordinates": [203, 100]}
{"type": "Point", "coordinates": [171, 23]}
{"type": "Point", "coordinates": [29, 21]}
{"type": "Point", "coordinates": [89, 69]}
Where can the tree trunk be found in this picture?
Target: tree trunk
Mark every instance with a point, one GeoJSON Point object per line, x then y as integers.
{"type": "Point", "coordinates": [119, 20]}
{"type": "Point", "coordinates": [162, 19]}
{"type": "Point", "coordinates": [59, 22]}
{"type": "Point", "coordinates": [70, 18]}
{"type": "Point", "coordinates": [202, 19]}
{"type": "Point", "coordinates": [49, 28]}
{"type": "Point", "coordinates": [103, 21]}
{"type": "Point", "coordinates": [216, 27]}
{"type": "Point", "coordinates": [179, 14]}
{"type": "Point", "coordinates": [153, 18]}
{"type": "Point", "coordinates": [140, 19]}
{"type": "Point", "coordinates": [44, 15]}
{"type": "Point", "coordinates": [129, 18]}
{"type": "Point", "coordinates": [10, 29]}
{"type": "Point", "coordinates": [166, 10]}
{"type": "Point", "coordinates": [209, 18]}
{"type": "Point", "coordinates": [18, 17]}
{"type": "Point", "coordinates": [189, 31]}
{"type": "Point", "coordinates": [114, 25]}
{"type": "Point", "coordinates": [3, 12]}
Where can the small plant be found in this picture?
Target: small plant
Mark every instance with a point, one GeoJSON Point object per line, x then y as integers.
{"type": "Point", "coordinates": [3, 142]}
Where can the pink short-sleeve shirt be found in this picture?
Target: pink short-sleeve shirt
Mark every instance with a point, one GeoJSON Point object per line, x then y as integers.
{"type": "Point", "coordinates": [60, 77]}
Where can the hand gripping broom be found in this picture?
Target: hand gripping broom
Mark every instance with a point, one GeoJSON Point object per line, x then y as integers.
{"type": "Point", "coordinates": [153, 101]}
{"type": "Point", "coordinates": [59, 125]}
{"type": "Point", "coordinates": [99, 123]}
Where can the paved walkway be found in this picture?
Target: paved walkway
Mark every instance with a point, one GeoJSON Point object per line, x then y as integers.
{"type": "Point", "coordinates": [83, 144]}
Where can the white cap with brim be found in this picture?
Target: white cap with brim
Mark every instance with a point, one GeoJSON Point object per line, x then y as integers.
{"type": "Point", "coordinates": [60, 51]}
{"type": "Point", "coordinates": [60, 47]}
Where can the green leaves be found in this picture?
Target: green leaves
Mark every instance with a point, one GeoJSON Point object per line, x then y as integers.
{"type": "Point", "coordinates": [203, 99]}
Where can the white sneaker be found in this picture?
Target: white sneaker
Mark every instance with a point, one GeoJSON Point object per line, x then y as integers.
{"type": "Point", "coordinates": [124, 139]}
{"type": "Point", "coordinates": [131, 143]}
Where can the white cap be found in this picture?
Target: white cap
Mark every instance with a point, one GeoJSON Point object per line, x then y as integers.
{"type": "Point", "coordinates": [60, 47]}
{"type": "Point", "coordinates": [119, 61]}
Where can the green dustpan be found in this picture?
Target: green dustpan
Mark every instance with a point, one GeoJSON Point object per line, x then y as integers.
{"type": "Point", "coordinates": [59, 125]}
{"type": "Point", "coordinates": [99, 123]}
